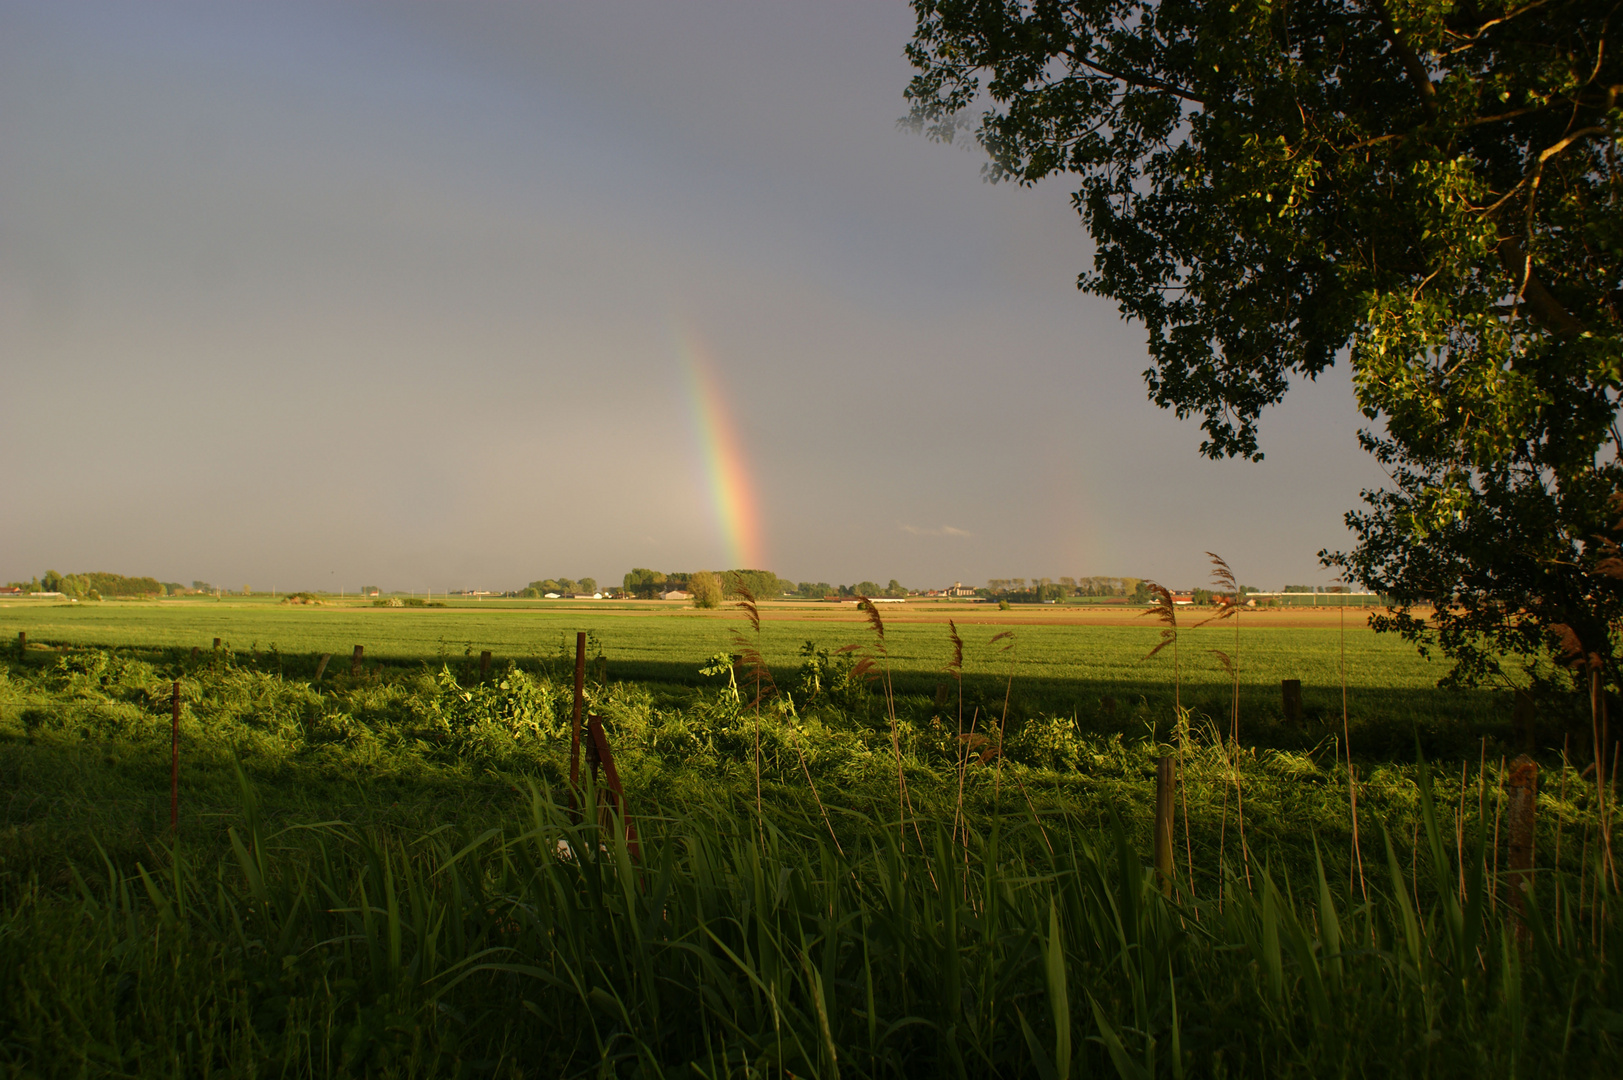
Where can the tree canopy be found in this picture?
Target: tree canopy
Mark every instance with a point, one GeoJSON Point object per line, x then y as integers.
{"type": "Point", "coordinates": [1426, 188]}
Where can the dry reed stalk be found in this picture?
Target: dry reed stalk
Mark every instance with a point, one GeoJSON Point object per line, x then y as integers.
{"type": "Point", "coordinates": [1560, 822]}
{"type": "Point", "coordinates": [1003, 721]}
{"type": "Point", "coordinates": [821, 809]}
{"type": "Point", "coordinates": [1414, 864]}
{"type": "Point", "coordinates": [1498, 812]}
{"type": "Point", "coordinates": [955, 668]}
{"type": "Point", "coordinates": [1034, 815]}
{"type": "Point", "coordinates": [749, 653]}
{"type": "Point", "coordinates": [1459, 831]}
{"type": "Point", "coordinates": [1346, 739]}
{"type": "Point", "coordinates": [1183, 795]}
{"type": "Point", "coordinates": [1223, 578]}
{"type": "Point", "coordinates": [1583, 877]}
{"type": "Point", "coordinates": [1612, 780]}
{"type": "Point", "coordinates": [904, 801]}
{"type": "Point", "coordinates": [1166, 613]}
{"type": "Point", "coordinates": [1598, 722]}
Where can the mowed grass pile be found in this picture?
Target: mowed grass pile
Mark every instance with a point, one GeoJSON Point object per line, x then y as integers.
{"type": "Point", "coordinates": [369, 880]}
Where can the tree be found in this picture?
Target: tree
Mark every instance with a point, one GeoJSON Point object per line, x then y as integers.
{"type": "Point", "coordinates": [1428, 188]}
{"type": "Point", "coordinates": [705, 586]}
{"type": "Point", "coordinates": [644, 583]}
{"type": "Point", "coordinates": [762, 584]}
{"type": "Point", "coordinates": [588, 585]}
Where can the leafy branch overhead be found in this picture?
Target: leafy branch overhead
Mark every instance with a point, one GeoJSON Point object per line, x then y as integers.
{"type": "Point", "coordinates": [1426, 189]}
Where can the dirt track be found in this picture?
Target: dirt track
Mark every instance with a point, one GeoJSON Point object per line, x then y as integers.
{"type": "Point", "coordinates": [1055, 615]}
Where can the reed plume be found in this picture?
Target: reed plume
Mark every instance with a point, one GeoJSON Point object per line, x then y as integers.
{"type": "Point", "coordinates": [878, 662]}
{"type": "Point", "coordinates": [1229, 608]}
{"type": "Point", "coordinates": [754, 665]}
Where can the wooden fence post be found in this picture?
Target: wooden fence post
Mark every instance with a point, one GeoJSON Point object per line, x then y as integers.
{"type": "Point", "coordinates": [484, 664]}
{"type": "Point", "coordinates": [322, 667]}
{"type": "Point", "coordinates": [1522, 787]}
{"type": "Point", "coordinates": [1165, 781]}
{"type": "Point", "coordinates": [174, 758]}
{"type": "Point", "coordinates": [22, 645]}
{"type": "Point", "coordinates": [355, 659]}
{"type": "Point", "coordinates": [1290, 692]}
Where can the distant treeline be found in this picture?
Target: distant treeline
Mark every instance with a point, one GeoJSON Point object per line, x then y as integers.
{"type": "Point", "coordinates": [1040, 589]}
{"type": "Point", "coordinates": [92, 585]}
{"type": "Point", "coordinates": [762, 584]}
{"type": "Point", "coordinates": [561, 585]}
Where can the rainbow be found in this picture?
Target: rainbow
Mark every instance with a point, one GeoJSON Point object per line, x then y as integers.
{"type": "Point", "coordinates": [732, 495]}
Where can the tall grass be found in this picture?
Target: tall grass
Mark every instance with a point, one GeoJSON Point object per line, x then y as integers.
{"type": "Point", "coordinates": [333, 950]}
{"type": "Point", "coordinates": [1012, 942]}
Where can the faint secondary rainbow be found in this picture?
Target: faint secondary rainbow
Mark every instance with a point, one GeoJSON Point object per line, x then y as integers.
{"type": "Point", "coordinates": [732, 495]}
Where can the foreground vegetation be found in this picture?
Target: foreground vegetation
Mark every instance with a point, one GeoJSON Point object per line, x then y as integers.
{"type": "Point", "coordinates": [368, 876]}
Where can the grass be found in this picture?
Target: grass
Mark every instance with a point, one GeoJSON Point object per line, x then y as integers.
{"type": "Point", "coordinates": [367, 879]}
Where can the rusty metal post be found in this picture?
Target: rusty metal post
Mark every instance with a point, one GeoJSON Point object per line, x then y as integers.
{"type": "Point", "coordinates": [580, 706]}
{"type": "Point", "coordinates": [1290, 692]}
{"type": "Point", "coordinates": [484, 664]}
{"type": "Point", "coordinates": [1165, 781]}
{"type": "Point", "coordinates": [1522, 788]}
{"type": "Point", "coordinates": [174, 758]}
{"type": "Point", "coordinates": [355, 659]}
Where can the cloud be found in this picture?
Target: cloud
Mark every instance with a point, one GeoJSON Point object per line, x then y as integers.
{"type": "Point", "coordinates": [939, 530]}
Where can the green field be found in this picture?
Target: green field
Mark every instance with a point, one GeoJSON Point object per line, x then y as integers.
{"type": "Point", "coordinates": [366, 879]}
{"type": "Point", "coordinates": [1066, 668]}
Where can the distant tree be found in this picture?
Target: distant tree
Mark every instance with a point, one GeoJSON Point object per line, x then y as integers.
{"type": "Point", "coordinates": [762, 584]}
{"type": "Point", "coordinates": [529, 592]}
{"type": "Point", "coordinates": [1141, 592]}
{"type": "Point", "coordinates": [706, 589]}
{"type": "Point", "coordinates": [588, 585]}
{"type": "Point", "coordinates": [868, 588]}
{"type": "Point", "coordinates": [51, 582]}
{"type": "Point", "coordinates": [644, 583]}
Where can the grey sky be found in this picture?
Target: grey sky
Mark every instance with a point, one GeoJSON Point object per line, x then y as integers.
{"type": "Point", "coordinates": [306, 295]}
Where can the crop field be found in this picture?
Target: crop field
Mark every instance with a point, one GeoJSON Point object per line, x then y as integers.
{"type": "Point", "coordinates": [872, 861]}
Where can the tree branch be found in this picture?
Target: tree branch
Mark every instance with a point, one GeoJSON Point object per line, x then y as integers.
{"type": "Point", "coordinates": [1146, 82]}
{"type": "Point", "coordinates": [1540, 301]}
{"type": "Point", "coordinates": [1411, 62]}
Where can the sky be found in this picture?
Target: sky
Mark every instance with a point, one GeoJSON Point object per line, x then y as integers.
{"type": "Point", "coordinates": [464, 295]}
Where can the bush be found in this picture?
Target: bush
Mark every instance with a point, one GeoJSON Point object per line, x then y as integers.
{"type": "Point", "coordinates": [706, 589]}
